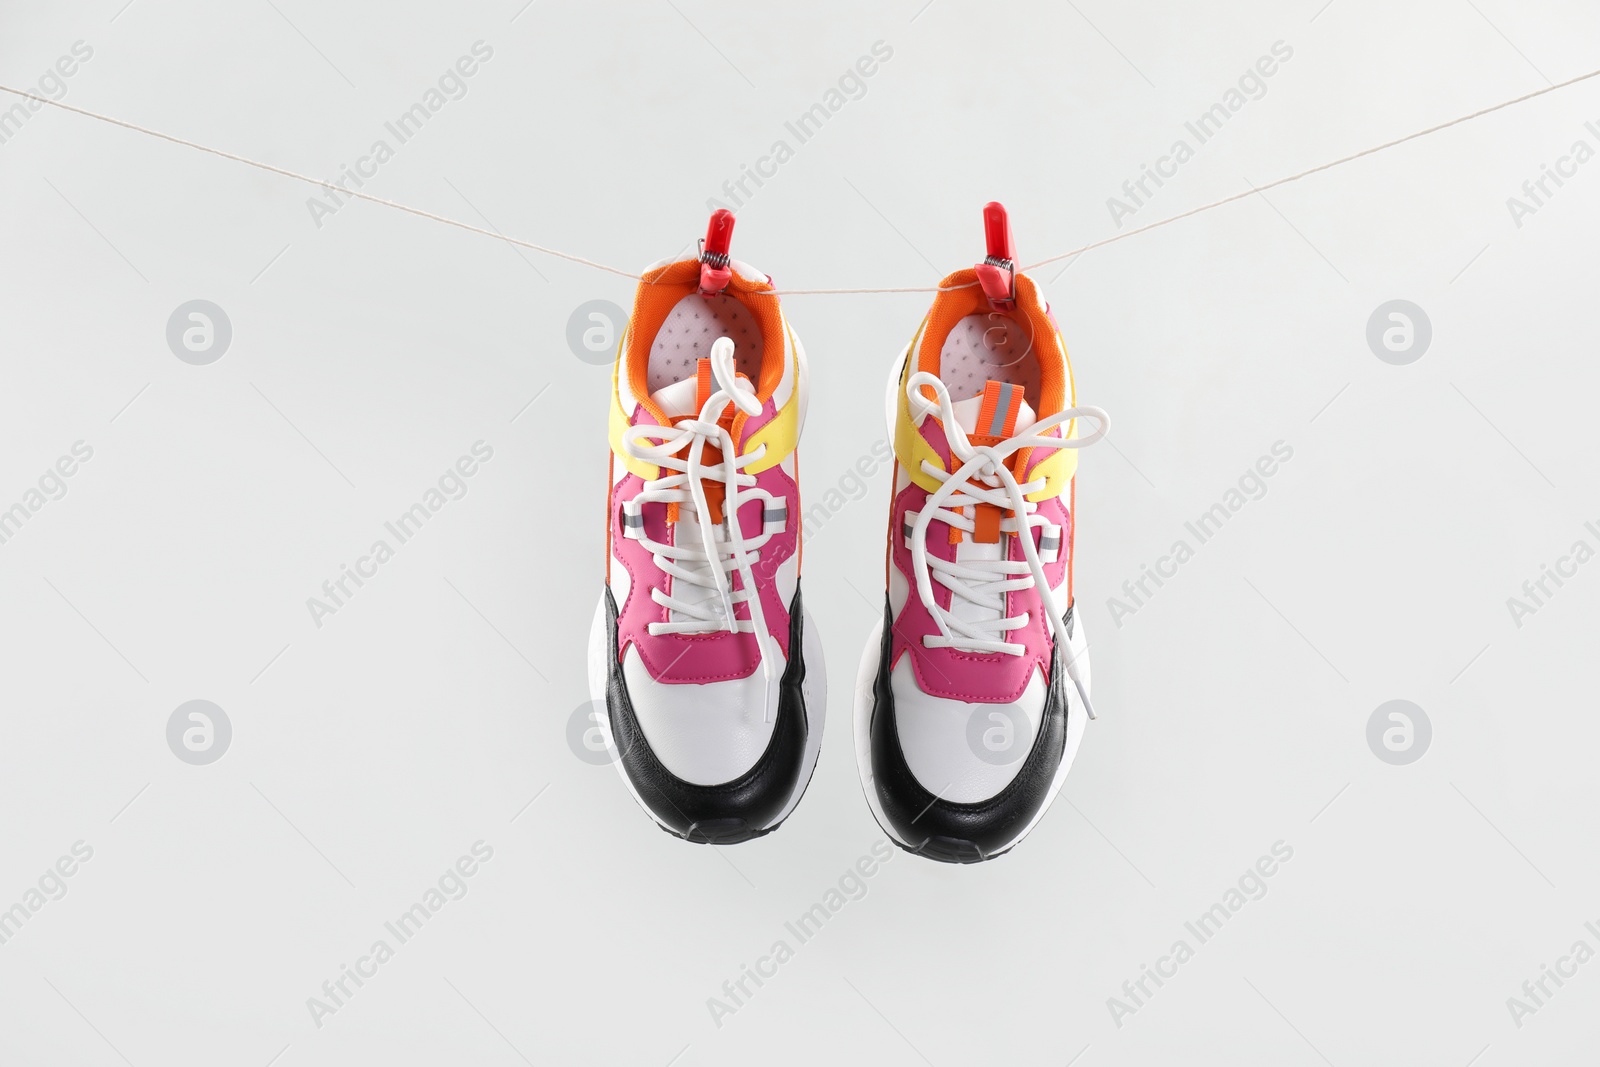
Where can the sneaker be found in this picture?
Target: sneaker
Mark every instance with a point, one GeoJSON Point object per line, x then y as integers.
{"type": "Point", "coordinates": [965, 721]}
{"type": "Point", "coordinates": [709, 669]}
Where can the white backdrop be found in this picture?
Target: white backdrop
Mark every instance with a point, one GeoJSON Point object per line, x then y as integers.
{"type": "Point", "coordinates": [425, 720]}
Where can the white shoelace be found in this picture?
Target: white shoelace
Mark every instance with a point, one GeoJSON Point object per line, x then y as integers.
{"type": "Point", "coordinates": [984, 478]}
{"type": "Point", "coordinates": [723, 548]}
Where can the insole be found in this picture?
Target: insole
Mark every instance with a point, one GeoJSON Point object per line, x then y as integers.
{"type": "Point", "coordinates": [689, 330]}
{"type": "Point", "coordinates": [989, 347]}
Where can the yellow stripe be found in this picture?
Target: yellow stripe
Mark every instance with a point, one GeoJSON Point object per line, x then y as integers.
{"type": "Point", "coordinates": [1061, 466]}
{"type": "Point", "coordinates": [781, 435]}
{"type": "Point", "coordinates": [911, 448]}
{"type": "Point", "coordinates": [619, 422]}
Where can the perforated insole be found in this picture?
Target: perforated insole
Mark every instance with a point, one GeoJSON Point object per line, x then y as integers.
{"type": "Point", "coordinates": [989, 347]}
{"type": "Point", "coordinates": [688, 332]}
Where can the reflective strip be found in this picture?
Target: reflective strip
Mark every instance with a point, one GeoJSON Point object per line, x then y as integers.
{"type": "Point", "coordinates": [997, 411]}
{"type": "Point", "coordinates": [1049, 544]}
{"type": "Point", "coordinates": [906, 522]}
{"type": "Point", "coordinates": [997, 425]}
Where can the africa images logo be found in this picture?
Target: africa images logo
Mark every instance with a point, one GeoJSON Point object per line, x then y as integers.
{"type": "Point", "coordinates": [451, 885]}
{"type": "Point", "coordinates": [1252, 885]}
{"type": "Point", "coordinates": [450, 85]}
{"type": "Point", "coordinates": [452, 485]}
{"type": "Point", "coordinates": [1252, 85]}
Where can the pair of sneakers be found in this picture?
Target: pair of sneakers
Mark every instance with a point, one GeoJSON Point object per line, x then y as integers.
{"type": "Point", "coordinates": [973, 691]}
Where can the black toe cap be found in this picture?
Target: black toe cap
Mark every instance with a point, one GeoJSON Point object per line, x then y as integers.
{"type": "Point", "coordinates": [962, 832]}
{"type": "Point", "coordinates": [730, 812]}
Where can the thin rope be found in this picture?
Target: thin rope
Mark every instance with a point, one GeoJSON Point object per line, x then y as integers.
{"type": "Point", "coordinates": [356, 193]}
{"type": "Point", "coordinates": [630, 275]}
{"type": "Point", "coordinates": [835, 292]}
{"type": "Point", "coordinates": [1315, 170]}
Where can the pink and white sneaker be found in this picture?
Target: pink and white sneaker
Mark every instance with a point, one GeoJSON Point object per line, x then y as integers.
{"type": "Point", "coordinates": [965, 722]}
{"type": "Point", "coordinates": [710, 671]}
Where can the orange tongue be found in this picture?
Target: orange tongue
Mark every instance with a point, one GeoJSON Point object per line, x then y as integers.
{"type": "Point", "coordinates": [997, 414]}
{"type": "Point", "coordinates": [703, 383]}
{"type": "Point", "coordinates": [997, 420]}
{"type": "Point", "coordinates": [714, 491]}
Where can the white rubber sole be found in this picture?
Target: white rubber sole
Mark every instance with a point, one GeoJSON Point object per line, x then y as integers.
{"type": "Point", "coordinates": [867, 674]}
{"type": "Point", "coordinates": [814, 689]}
{"type": "Point", "coordinates": [866, 677]}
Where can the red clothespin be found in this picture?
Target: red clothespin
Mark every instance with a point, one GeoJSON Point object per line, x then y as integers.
{"type": "Point", "coordinates": [997, 274]}
{"type": "Point", "coordinates": [714, 270]}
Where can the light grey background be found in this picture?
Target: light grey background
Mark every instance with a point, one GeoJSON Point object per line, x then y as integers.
{"type": "Point", "coordinates": [367, 355]}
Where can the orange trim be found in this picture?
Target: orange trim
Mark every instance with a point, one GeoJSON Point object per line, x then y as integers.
{"type": "Point", "coordinates": [702, 383]}
{"type": "Point", "coordinates": [659, 292]}
{"type": "Point", "coordinates": [715, 494]}
{"type": "Point", "coordinates": [986, 524]}
{"type": "Point", "coordinates": [988, 406]}
{"type": "Point", "coordinates": [964, 297]}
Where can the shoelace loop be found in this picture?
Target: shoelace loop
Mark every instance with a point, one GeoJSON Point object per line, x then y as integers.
{"type": "Point", "coordinates": [983, 477]}
{"type": "Point", "coordinates": [679, 448]}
